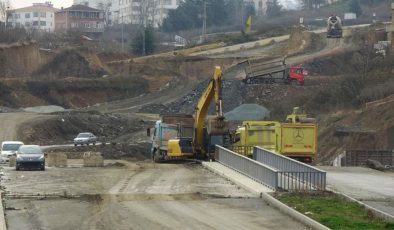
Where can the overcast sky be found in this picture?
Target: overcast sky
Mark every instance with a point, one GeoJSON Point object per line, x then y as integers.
{"type": "Point", "coordinates": [56, 3]}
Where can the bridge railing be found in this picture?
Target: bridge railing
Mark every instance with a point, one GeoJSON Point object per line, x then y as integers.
{"type": "Point", "coordinates": [257, 171]}
{"type": "Point", "coordinates": [292, 175]}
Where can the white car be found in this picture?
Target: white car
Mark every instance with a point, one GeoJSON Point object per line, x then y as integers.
{"type": "Point", "coordinates": [85, 139]}
{"type": "Point", "coordinates": [9, 148]}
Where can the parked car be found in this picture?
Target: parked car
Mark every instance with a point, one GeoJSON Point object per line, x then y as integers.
{"type": "Point", "coordinates": [30, 156]}
{"type": "Point", "coordinates": [9, 148]}
{"type": "Point", "coordinates": [85, 139]}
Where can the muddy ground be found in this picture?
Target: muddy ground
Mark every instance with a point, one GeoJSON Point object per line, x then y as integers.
{"type": "Point", "coordinates": [139, 195]}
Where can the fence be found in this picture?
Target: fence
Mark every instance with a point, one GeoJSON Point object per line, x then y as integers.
{"type": "Point", "coordinates": [275, 171]}
{"type": "Point", "coordinates": [360, 157]}
{"type": "Point", "coordinates": [293, 175]}
{"type": "Point", "coordinates": [253, 169]}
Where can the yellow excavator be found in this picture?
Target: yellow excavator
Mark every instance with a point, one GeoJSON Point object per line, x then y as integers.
{"type": "Point", "coordinates": [206, 132]}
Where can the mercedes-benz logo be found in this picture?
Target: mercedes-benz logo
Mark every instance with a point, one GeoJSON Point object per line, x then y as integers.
{"type": "Point", "coordinates": [298, 135]}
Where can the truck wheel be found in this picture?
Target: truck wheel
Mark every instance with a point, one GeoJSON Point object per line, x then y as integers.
{"type": "Point", "coordinates": [294, 82]}
{"type": "Point", "coordinates": [156, 158]}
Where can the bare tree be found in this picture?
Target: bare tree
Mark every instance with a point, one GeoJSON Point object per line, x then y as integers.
{"type": "Point", "coordinates": [105, 5]}
{"type": "Point", "coordinates": [4, 6]}
{"type": "Point", "coordinates": [147, 11]}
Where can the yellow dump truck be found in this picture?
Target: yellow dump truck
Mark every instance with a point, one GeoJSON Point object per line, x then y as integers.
{"type": "Point", "coordinates": [296, 138]}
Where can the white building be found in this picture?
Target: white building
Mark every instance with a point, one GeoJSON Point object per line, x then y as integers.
{"type": "Point", "coordinates": [134, 11]}
{"type": "Point", "coordinates": [39, 16]}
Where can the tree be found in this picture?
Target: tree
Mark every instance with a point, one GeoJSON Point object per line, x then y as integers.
{"type": "Point", "coordinates": [189, 14]}
{"type": "Point", "coordinates": [144, 40]}
{"type": "Point", "coordinates": [273, 8]}
{"type": "Point", "coordinates": [105, 5]}
{"type": "Point", "coordinates": [354, 6]}
{"type": "Point", "coordinates": [4, 6]}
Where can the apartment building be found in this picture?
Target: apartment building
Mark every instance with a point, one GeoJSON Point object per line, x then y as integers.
{"type": "Point", "coordinates": [80, 18]}
{"type": "Point", "coordinates": [134, 11]}
{"type": "Point", "coordinates": [39, 16]}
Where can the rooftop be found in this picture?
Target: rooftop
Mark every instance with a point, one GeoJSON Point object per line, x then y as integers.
{"type": "Point", "coordinates": [81, 8]}
{"type": "Point", "coordinates": [37, 8]}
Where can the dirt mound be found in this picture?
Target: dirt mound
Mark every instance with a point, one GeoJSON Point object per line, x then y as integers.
{"type": "Point", "coordinates": [19, 60]}
{"type": "Point", "coordinates": [247, 112]}
{"type": "Point", "coordinates": [69, 92]}
{"type": "Point", "coordinates": [70, 63]}
{"type": "Point", "coordinates": [369, 129]}
{"type": "Point", "coordinates": [62, 127]}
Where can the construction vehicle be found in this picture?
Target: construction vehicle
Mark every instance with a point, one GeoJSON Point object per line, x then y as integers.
{"type": "Point", "coordinates": [206, 132]}
{"type": "Point", "coordinates": [295, 138]}
{"type": "Point", "coordinates": [168, 127]}
{"type": "Point", "coordinates": [334, 27]}
{"type": "Point", "coordinates": [259, 71]}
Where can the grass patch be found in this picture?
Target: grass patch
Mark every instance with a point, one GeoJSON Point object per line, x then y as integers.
{"type": "Point", "coordinates": [333, 211]}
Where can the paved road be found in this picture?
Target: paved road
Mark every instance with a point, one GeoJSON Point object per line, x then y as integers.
{"type": "Point", "coordinates": [141, 195]}
{"type": "Point", "coordinates": [372, 187]}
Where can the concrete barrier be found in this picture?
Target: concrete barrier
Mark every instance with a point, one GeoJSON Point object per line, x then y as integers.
{"type": "Point", "coordinates": [57, 160]}
{"type": "Point", "coordinates": [377, 213]}
{"type": "Point", "coordinates": [93, 159]}
{"type": "Point", "coordinates": [313, 224]}
{"type": "Point", "coordinates": [3, 225]}
{"type": "Point", "coordinates": [12, 161]}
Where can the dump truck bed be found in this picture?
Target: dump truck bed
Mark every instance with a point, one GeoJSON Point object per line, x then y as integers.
{"type": "Point", "coordinates": [299, 140]}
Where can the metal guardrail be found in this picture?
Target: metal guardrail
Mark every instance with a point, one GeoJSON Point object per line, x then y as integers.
{"type": "Point", "coordinates": [253, 169]}
{"type": "Point", "coordinates": [275, 171]}
{"type": "Point", "coordinates": [246, 150]}
{"type": "Point", "coordinates": [293, 175]}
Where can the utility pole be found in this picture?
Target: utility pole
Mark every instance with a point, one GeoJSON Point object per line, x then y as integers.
{"type": "Point", "coordinates": [242, 14]}
{"type": "Point", "coordinates": [122, 35]}
{"type": "Point", "coordinates": [204, 20]}
{"type": "Point", "coordinates": [143, 39]}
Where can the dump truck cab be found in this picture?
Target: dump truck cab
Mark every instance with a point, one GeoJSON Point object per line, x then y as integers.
{"type": "Point", "coordinates": [296, 74]}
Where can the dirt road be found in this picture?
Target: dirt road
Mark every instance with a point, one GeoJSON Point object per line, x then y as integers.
{"type": "Point", "coordinates": [134, 104]}
{"type": "Point", "coordinates": [10, 122]}
{"type": "Point", "coordinates": [141, 195]}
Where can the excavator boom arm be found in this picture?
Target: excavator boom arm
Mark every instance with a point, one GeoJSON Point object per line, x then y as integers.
{"type": "Point", "coordinates": [213, 90]}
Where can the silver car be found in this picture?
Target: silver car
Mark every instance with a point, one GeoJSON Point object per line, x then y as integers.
{"type": "Point", "coordinates": [85, 139]}
{"type": "Point", "coordinates": [30, 156]}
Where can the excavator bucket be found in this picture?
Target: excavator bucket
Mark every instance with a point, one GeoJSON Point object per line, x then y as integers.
{"type": "Point", "coordinates": [217, 126]}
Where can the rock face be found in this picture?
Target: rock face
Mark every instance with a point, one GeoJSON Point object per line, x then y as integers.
{"type": "Point", "coordinates": [373, 164]}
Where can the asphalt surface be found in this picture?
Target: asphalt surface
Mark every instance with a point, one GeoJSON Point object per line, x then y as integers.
{"type": "Point", "coordinates": [370, 186]}
{"type": "Point", "coordinates": [140, 195]}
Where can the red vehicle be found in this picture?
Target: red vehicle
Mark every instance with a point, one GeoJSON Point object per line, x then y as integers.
{"type": "Point", "coordinates": [260, 71]}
